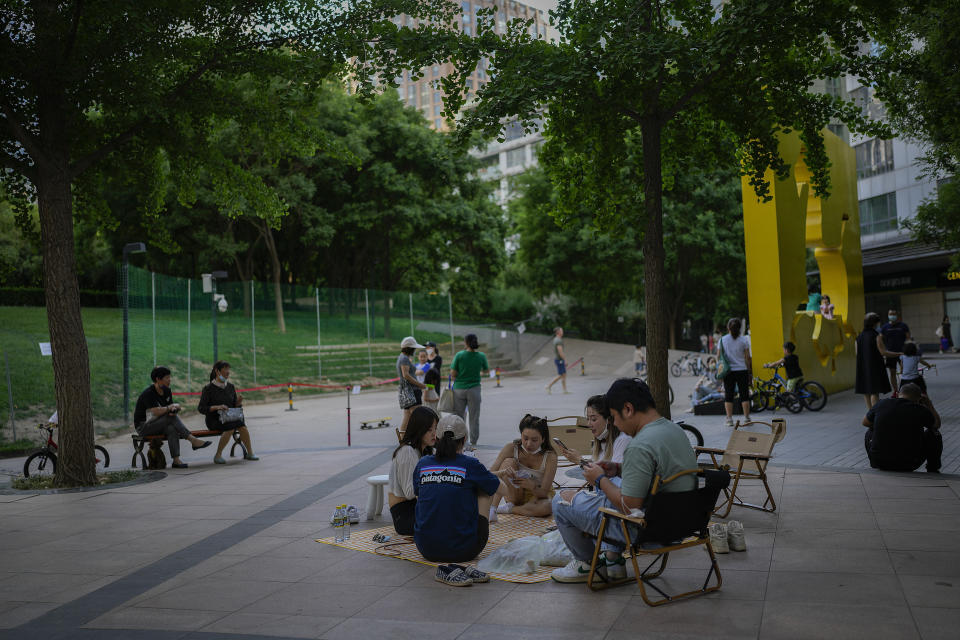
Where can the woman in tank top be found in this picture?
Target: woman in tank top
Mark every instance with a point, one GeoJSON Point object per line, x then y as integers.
{"type": "Point", "coordinates": [527, 467]}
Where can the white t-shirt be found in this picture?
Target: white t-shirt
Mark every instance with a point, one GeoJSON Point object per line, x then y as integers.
{"type": "Point", "coordinates": [910, 364]}
{"type": "Point", "coordinates": [736, 350]}
{"type": "Point", "coordinates": [401, 473]}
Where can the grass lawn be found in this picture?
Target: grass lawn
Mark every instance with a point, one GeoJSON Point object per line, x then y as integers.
{"type": "Point", "coordinates": [280, 358]}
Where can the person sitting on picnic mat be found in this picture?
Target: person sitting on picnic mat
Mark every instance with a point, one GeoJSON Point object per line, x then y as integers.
{"type": "Point", "coordinates": [418, 441]}
{"type": "Point", "coordinates": [218, 396]}
{"type": "Point", "coordinates": [453, 496]}
{"type": "Point", "coordinates": [657, 447]}
{"type": "Point", "coordinates": [528, 464]}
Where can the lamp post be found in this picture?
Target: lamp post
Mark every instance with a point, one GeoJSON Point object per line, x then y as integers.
{"type": "Point", "coordinates": [130, 247]}
{"type": "Point", "coordinates": [210, 286]}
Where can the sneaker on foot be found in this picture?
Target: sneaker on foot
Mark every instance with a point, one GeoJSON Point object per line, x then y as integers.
{"type": "Point", "coordinates": [549, 392]}
{"type": "Point", "coordinates": [615, 569]}
{"type": "Point", "coordinates": [735, 538]}
{"type": "Point", "coordinates": [472, 572]}
{"type": "Point", "coordinates": [718, 537]}
{"type": "Point", "coordinates": [575, 571]}
{"type": "Point", "coordinates": [728, 422]}
{"type": "Point", "coordinates": [452, 575]}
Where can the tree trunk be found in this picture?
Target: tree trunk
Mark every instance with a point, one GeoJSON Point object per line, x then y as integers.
{"type": "Point", "coordinates": [654, 280]}
{"type": "Point", "coordinates": [71, 362]}
{"type": "Point", "coordinates": [267, 235]}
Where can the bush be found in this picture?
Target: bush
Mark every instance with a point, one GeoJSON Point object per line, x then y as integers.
{"type": "Point", "coordinates": [511, 305]}
{"type": "Point", "coordinates": [33, 297]}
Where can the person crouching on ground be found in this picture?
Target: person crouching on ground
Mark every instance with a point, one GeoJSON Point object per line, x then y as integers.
{"type": "Point", "coordinates": [218, 396]}
{"type": "Point", "coordinates": [608, 443]}
{"type": "Point", "coordinates": [453, 498]}
{"type": "Point", "coordinates": [156, 414]}
{"type": "Point", "coordinates": [528, 466]}
{"type": "Point", "coordinates": [904, 432]}
{"type": "Point", "coordinates": [418, 441]}
{"type": "Point", "coordinates": [657, 447]}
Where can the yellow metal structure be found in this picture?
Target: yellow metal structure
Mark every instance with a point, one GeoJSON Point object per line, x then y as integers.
{"type": "Point", "coordinates": [777, 234]}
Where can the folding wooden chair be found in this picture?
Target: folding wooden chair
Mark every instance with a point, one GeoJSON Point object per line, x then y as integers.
{"type": "Point", "coordinates": [671, 522]}
{"type": "Point", "coordinates": [575, 433]}
{"type": "Point", "coordinates": [746, 457]}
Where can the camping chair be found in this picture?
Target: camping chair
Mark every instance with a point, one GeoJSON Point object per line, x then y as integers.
{"type": "Point", "coordinates": [671, 522]}
{"type": "Point", "coordinates": [746, 457]}
{"type": "Point", "coordinates": [574, 432]}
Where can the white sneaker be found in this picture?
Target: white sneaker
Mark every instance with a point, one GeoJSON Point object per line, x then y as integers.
{"type": "Point", "coordinates": [575, 571]}
{"type": "Point", "coordinates": [493, 515]}
{"type": "Point", "coordinates": [615, 569]}
{"type": "Point", "coordinates": [728, 422]}
{"type": "Point", "coordinates": [718, 537]}
{"type": "Point", "coordinates": [735, 538]}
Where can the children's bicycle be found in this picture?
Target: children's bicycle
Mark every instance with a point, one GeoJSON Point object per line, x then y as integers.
{"type": "Point", "coordinates": [810, 393]}
{"type": "Point", "coordinates": [44, 462]}
{"type": "Point", "coordinates": [695, 364]}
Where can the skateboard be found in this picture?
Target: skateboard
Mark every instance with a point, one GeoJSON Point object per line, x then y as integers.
{"type": "Point", "coordinates": [376, 423]}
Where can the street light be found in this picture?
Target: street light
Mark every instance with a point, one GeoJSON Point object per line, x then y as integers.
{"type": "Point", "coordinates": [210, 286]}
{"type": "Point", "coordinates": [130, 247]}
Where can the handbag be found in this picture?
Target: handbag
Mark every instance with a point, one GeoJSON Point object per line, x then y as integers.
{"type": "Point", "coordinates": [723, 365]}
{"type": "Point", "coordinates": [430, 394]}
{"type": "Point", "coordinates": [446, 401]}
{"type": "Point", "coordinates": [231, 415]}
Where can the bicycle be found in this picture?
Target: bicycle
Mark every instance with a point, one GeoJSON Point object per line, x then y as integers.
{"type": "Point", "coordinates": [810, 393]}
{"type": "Point", "coordinates": [695, 364]}
{"type": "Point", "coordinates": [643, 377]}
{"type": "Point", "coordinates": [44, 462]}
{"type": "Point", "coordinates": [693, 434]}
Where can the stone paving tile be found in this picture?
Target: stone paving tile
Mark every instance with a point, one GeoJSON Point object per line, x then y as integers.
{"type": "Point", "coordinates": [395, 629]}
{"type": "Point", "coordinates": [697, 618]}
{"type": "Point", "coordinates": [522, 632]}
{"type": "Point", "coordinates": [558, 610]}
{"type": "Point", "coordinates": [834, 588]}
{"type": "Point", "coordinates": [919, 540]}
{"type": "Point", "coordinates": [329, 600]}
{"type": "Point", "coordinates": [926, 563]}
{"type": "Point", "coordinates": [937, 624]}
{"type": "Point", "coordinates": [791, 620]}
{"type": "Point", "coordinates": [273, 625]}
{"type": "Point", "coordinates": [151, 618]}
{"type": "Point", "coordinates": [824, 558]}
{"type": "Point", "coordinates": [932, 591]}
{"type": "Point", "coordinates": [22, 612]}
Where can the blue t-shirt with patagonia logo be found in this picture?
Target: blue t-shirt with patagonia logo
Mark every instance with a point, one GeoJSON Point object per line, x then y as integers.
{"type": "Point", "coordinates": [446, 511]}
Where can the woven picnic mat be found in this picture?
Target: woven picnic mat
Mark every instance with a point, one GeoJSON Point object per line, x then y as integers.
{"type": "Point", "coordinates": [508, 527]}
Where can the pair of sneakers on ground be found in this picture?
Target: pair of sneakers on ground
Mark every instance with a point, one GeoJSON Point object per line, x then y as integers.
{"type": "Point", "coordinates": [578, 570]}
{"type": "Point", "coordinates": [459, 575]}
{"type": "Point", "coordinates": [727, 536]}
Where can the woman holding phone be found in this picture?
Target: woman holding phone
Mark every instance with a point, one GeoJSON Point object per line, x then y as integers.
{"type": "Point", "coordinates": [608, 444]}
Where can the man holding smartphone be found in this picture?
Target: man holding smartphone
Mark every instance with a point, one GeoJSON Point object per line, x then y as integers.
{"type": "Point", "coordinates": [156, 414]}
{"type": "Point", "coordinates": [658, 447]}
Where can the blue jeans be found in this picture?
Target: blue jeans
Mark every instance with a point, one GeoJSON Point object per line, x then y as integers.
{"type": "Point", "coordinates": [582, 515]}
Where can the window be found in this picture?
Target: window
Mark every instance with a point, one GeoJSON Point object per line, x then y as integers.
{"type": "Point", "coordinates": [863, 98]}
{"type": "Point", "coordinates": [512, 131]}
{"type": "Point", "coordinates": [516, 157]}
{"type": "Point", "coordinates": [467, 30]}
{"type": "Point", "coordinates": [874, 157]}
{"type": "Point", "coordinates": [878, 214]}
{"type": "Point", "coordinates": [436, 71]}
{"type": "Point", "coordinates": [436, 96]}
{"type": "Point", "coordinates": [438, 124]}
{"type": "Point", "coordinates": [437, 109]}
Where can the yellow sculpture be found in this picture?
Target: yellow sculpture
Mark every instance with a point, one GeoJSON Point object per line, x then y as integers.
{"type": "Point", "coordinates": [777, 234]}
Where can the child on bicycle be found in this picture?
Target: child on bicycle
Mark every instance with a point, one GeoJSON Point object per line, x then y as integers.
{"type": "Point", "coordinates": [909, 362]}
{"type": "Point", "coordinates": [791, 363]}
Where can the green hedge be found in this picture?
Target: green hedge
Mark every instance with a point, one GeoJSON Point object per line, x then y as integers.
{"type": "Point", "coordinates": [33, 297]}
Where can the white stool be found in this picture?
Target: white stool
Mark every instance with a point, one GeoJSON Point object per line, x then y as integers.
{"type": "Point", "coordinates": [375, 499]}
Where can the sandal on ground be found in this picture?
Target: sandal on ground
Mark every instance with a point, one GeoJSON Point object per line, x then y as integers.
{"type": "Point", "coordinates": [179, 465]}
{"type": "Point", "coordinates": [250, 456]}
{"type": "Point", "coordinates": [219, 460]}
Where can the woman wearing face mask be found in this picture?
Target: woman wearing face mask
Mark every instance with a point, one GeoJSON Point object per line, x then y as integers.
{"type": "Point", "coordinates": [871, 372]}
{"type": "Point", "coordinates": [527, 467]}
{"type": "Point", "coordinates": [221, 394]}
{"type": "Point", "coordinates": [433, 356]}
{"type": "Point", "coordinates": [609, 443]}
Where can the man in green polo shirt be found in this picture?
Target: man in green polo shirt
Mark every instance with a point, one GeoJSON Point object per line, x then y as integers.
{"type": "Point", "coordinates": [466, 369]}
{"type": "Point", "coordinates": [658, 447]}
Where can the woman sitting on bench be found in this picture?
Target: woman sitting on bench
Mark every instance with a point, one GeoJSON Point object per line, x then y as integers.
{"type": "Point", "coordinates": [527, 466]}
{"type": "Point", "coordinates": [418, 441]}
{"type": "Point", "coordinates": [218, 396]}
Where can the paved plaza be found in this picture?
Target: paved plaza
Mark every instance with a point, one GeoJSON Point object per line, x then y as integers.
{"type": "Point", "coordinates": [229, 552]}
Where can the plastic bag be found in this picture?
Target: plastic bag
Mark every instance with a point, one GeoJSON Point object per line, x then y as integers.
{"type": "Point", "coordinates": [555, 551]}
{"type": "Point", "coordinates": [520, 556]}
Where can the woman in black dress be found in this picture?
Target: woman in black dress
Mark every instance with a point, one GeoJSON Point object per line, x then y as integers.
{"type": "Point", "coordinates": [871, 371]}
{"type": "Point", "coordinates": [219, 395]}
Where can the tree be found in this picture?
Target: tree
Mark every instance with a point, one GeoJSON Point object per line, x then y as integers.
{"type": "Point", "coordinates": [675, 77]}
{"type": "Point", "coordinates": [921, 94]}
{"type": "Point", "coordinates": [92, 82]}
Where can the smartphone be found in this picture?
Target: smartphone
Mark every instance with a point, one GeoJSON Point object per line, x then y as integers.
{"type": "Point", "coordinates": [560, 442]}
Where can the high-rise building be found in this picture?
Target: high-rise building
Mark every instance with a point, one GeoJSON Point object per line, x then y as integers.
{"type": "Point", "coordinates": [899, 273]}
{"type": "Point", "coordinates": [499, 160]}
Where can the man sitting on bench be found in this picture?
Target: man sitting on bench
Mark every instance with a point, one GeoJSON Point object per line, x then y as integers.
{"type": "Point", "coordinates": [904, 432]}
{"type": "Point", "coordinates": [156, 415]}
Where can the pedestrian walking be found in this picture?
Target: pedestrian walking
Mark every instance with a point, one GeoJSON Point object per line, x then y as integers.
{"type": "Point", "coordinates": [467, 369]}
{"type": "Point", "coordinates": [736, 348]}
{"type": "Point", "coordinates": [559, 359]}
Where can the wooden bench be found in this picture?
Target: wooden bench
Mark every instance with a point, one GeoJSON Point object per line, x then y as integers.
{"type": "Point", "coordinates": [155, 453]}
